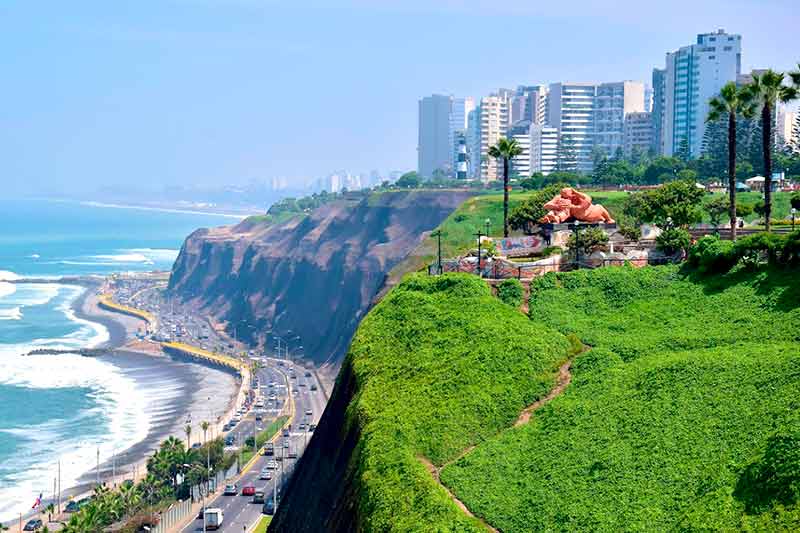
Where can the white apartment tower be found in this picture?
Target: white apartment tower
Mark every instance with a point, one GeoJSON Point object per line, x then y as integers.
{"type": "Point", "coordinates": [693, 75]}
{"type": "Point", "coordinates": [460, 109]}
{"type": "Point", "coordinates": [638, 133]}
{"type": "Point", "coordinates": [494, 117]}
{"type": "Point", "coordinates": [613, 103]}
{"type": "Point", "coordinates": [543, 149]}
{"type": "Point", "coordinates": [570, 109]}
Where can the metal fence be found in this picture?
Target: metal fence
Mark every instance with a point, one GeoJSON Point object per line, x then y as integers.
{"type": "Point", "coordinates": [178, 512]}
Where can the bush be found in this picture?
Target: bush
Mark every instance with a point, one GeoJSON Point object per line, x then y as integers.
{"type": "Point", "coordinates": [795, 200]}
{"type": "Point", "coordinates": [744, 210]}
{"type": "Point", "coordinates": [673, 240]}
{"type": "Point", "coordinates": [713, 256]}
{"type": "Point", "coordinates": [753, 247]}
{"type": "Point", "coordinates": [774, 478]}
{"type": "Point", "coordinates": [510, 292]}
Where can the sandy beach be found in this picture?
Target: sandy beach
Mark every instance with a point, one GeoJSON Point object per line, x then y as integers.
{"type": "Point", "coordinates": [178, 392]}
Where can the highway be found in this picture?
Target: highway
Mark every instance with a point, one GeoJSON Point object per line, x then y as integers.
{"type": "Point", "coordinates": [239, 511]}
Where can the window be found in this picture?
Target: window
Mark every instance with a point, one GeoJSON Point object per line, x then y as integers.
{"type": "Point", "coordinates": [712, 57]}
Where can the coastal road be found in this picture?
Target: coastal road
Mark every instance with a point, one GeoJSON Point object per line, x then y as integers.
{"type": "Point", "coordinates": [239, 511]}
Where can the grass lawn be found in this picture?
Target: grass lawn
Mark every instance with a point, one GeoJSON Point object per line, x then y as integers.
{"type": "Point", "coordinates": [689, 384]}
{"type": "Point", "coordinates": [262, 524]}
{"type": "Point", "coordinates": [264, 436]}
{"type": "Point", "coordinates": [440, 365]}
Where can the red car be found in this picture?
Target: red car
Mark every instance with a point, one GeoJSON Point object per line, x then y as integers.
{"type": "Point", "coordinates": [248, 490]}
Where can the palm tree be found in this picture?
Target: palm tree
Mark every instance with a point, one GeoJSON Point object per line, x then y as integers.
{"type": "Point", "coordinates": [506, 150]}
{"type": "Point", "coordinates": [50, 509]}
{"type": "Point", "coordinates": [763, 94]}
{"type": "Point", "coordinates": [730, 101]}
{"type": "Point", "coordinates": [188, 431]}
{"type": "Point", "coordinates": [795, 76]}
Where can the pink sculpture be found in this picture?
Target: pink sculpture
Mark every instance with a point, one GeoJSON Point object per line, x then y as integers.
{"type": "Point", "coordinates": [572, 204]}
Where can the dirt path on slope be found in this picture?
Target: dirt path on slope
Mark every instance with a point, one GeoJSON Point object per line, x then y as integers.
{"type": "Point", "coordinates": [562, 381]}
{"type": "Point", "coordinates": [435, 473]}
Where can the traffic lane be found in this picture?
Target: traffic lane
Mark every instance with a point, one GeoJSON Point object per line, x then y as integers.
{"type": "Point", "coordinates": [239, 511]}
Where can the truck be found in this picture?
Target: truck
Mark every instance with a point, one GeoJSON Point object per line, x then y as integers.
{"type": "Point", "coordinates": [213, 518]}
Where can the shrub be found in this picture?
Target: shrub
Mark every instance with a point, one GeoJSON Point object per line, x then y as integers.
{"type": "Point", "coordinates": [791, 248]}
{"type": "Point", "coordinates": [717, 209]}
{"type": "Point", "coordinates": [630, 229]}
{"type": "Point", "coordinates": [753, 247]}
{"type": "Point", "coordinates": [744, 210]}
{"type": "Point", "coordinates": [673, 240]}
{"type": "Point", "coordinates": [773, 478]}
{"type": "Point", "coordinates": [713, 256]}
{"type": "Point", "coordinates": [510, 292]}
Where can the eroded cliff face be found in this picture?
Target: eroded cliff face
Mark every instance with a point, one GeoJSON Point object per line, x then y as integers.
{"type": "Point", "coordinates": [315, 277]}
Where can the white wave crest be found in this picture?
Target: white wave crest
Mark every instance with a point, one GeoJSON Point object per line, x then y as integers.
{"type": "Point", "coordinates": [5, 275]}
{"type": "Point", "coordinates": [7, 289]}
{"type": "Point", "coordinates": [14, 313]}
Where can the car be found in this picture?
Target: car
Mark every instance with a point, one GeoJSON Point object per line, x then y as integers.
{"type": "Point", "coordinates": [301, 384]}
{"type": "Point", "coordinates": [269, 507]}
{"type": "Point", "coordinates": [286, 431]}
{"type": "Point", "coordinates": [33, 525]}
{"type": "Point", "coordinates": [230, 440]}
{"type": "Point", "coordinates": [271, 465]}
{"type": "Point", "coordinates": [313, 387]}
{"type": "Point", "coordinates": [258, 497]}
{"type": "Point", "coordinates": [269, 449]}
{"type": "Point", "coordinates": [248, 490]}
{"type": "Point", "coordinates": [231, 489]}
{"type": "Point", "coordinates": [301, 427]}
{"type": "Point", "coordinates": [308, 374]}
{"type": "Point", "coordinates": [292, 454]}
{"type": "Point", "coordinates": [309, 412]}
{"type": "Point", "coordinates": [266, 474]}
{"type": "Point", "coordinates": [259, 417]}
{"type": "Point", "coordinates": [196, 445]}
{"type": "Point", "coordinates": [312, 427]}
{"type": "Point", "coordinates": [286, 443]}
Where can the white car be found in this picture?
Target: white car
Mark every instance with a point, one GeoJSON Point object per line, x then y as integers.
{"type": "Point", "coordinates": [266, 473]}
{"type": "Point", "coordinates": [271, 465]}
{"type": "Point", "coordinates": [309, 412]}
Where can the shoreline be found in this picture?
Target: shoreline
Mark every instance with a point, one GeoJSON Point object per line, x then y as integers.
{"type": "Point", "coordinates": [192, 389]}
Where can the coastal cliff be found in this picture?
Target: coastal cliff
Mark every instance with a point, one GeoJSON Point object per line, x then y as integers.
{"type": "Point", "coordinates": [314, 276]}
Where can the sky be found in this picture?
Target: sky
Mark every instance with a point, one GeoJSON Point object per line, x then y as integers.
{"type": "Point", "coordinates": [214, 92]}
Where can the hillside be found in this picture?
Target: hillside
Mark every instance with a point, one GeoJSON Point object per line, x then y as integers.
{"type": "Point", "coordinates": [671, 417]}
{"type": "Point", "coordinates": [437, 366]}
{"type": "Point", "coordinates": [682, 415]}
{"type": "Point", "coordinates": [314, 275]}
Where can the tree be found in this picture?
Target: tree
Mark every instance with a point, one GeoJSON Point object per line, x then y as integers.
{"type": "Point", "coordinates": [683, 152]}
{"type": "Point", "coordinates": [763, 94]}
{"type": "Point", "coordinates": [716, 208]}
{"type": "Point", "coordinates": [527, 213]}
{"type": "Point", "coordinates": [673, 240]}
{"type": "Point", "coordinates": [506, 150]}
{"type": "Point", "coordinates": [728, 104]}
{"type": "Point", "coordinates": [409, 180]}
{"type": "Point", "coordinates": [566, 155]}
{"type": "Point", "coordinates": [590, 239]}
{"type": "Point", "coordinates": [678, 201]}
{"type": "Point", "coordinates": [188, 431]}
{"type": "Point", "coordinates": [536, 181]}
{"type": "Point", "coordinates": [795, 200]}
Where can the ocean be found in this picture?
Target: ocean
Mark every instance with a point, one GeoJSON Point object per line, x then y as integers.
{"type": "Point", "coordinates": [68, 408]}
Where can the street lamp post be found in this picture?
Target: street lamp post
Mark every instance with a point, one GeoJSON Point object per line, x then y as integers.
{"type": "Point", "coordinates": [479, 235]}
{"type": "Point", "coordinates": [488, 224]}
{"type": "Point", "coordinates": [438, 235]}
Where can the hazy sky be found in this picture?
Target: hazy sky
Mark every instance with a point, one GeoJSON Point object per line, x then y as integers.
{"type": "Point", "coordinates": [216, 91]}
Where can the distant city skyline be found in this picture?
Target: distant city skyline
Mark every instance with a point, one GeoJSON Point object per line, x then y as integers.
{"type": "Point", "coordinates": [212, 92]}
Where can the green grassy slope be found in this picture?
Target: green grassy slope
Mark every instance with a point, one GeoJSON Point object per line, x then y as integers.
{"type": "Point", "coordinates": [667, 417]}
{"type": "Point", "coordinates": [440, 364]}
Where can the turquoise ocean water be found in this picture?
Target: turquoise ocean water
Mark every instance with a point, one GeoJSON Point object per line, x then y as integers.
{"type": "Point", "coordinates": [67, 407]}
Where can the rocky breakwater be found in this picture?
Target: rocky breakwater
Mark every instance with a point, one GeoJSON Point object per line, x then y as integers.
{"type": "Point", "coordinates": [314, 275]}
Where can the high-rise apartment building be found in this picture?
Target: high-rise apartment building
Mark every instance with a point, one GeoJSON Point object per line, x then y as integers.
{"type": "Point", "coordinates": [473, 139]}
{"type": "Point", "coordinates": [570, 109]}
{"type": "Point", "coordinates": [693, 75]}
{"type": "Point", "coordinates": [494, 117]}
{"type": "Point", "coordinates": [784, 126]}
{"type": "Point", "coordinates": [543, 149]}
{"type": "Point", "coordinates": [521, 164]}
{"type": "Point", "coordinates": [638, 133]}
{"type": "Point", "coordinates": [659, 101]}
{"type": "Point", "coordinates": [614, 101]}
{"type": "Point", "coordinates": [442, 119]}
{"type": "Point", "coordinates": [434, 151]}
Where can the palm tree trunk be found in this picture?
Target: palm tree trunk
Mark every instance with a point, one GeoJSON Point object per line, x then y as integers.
{"type": "Point", "coordinates": [505, 197]}
{"type": "Point", "coordinates": [766, 137]}
{"type": "Point", "coordinates": [732, 171]}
